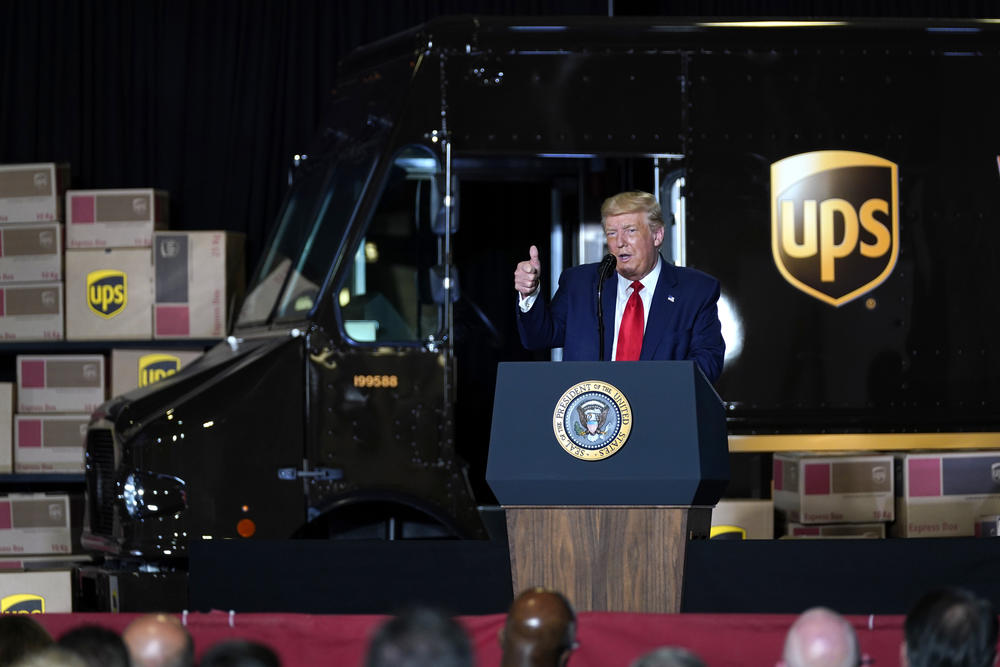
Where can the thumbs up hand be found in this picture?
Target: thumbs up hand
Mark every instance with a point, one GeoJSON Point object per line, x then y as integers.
{"type": "Point", "coordinates": [527, 273]}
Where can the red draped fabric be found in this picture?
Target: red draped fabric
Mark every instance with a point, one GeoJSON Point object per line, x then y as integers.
{"type": "Point", "coordinates": [606, 639]}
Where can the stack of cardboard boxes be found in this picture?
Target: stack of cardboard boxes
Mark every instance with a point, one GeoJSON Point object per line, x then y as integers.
{"type": "Point", "coordinates": [833, 495]}
{"type": "Point", "coordinates": [947, 494]}
{"type": "Point", "coordinates": [96, 278]}
{"type": "Point", "coordinates": [109, 265]}
{"type": "Point", "coordinates": [31, 257]}
{"type": "Point", "coordinates": [906, 494]}
{"type": "Point", "coordinates": [122, 275]}
{"type": "Point", "coordinates": [55, 396]}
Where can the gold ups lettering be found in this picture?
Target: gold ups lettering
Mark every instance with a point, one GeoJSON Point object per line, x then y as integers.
{"type": "Point", "coordinates": [834, 222]}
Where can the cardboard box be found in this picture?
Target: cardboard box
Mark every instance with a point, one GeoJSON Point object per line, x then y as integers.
{"type": "Point", "coordinates": [31, 311]}
{"type": "Point", "coordinates": [755, 517]}
{"type": "Point", "coordinates": [837, 530]}
{"type": "Point", "coordinates": [50, 443]}
{"type": "Point", "coordinates": [32, 192]}
{"type": "Point", "coordinates": [114, 218]}
{"type": "Point", "coordinates": [47, 562]}
{"type": "Point", "coordinates": [60, 383]}
{"type": "Point", "coordinates": [814, 487]}
{"type": "Point", "coordinates": [199, 276]}
{"type": "Point", "coordinates": [34, 524]}
{"type": "Point", "coordinates": [139, 368]}
{"type": "Point", "coordinates": [31, 252]}
{"type": "Point", "coordinates": [6, 427]}
{"type": "Point", "coordinates": [940, 494]}
{"type": "Point", "coordinates": [109, 294]}
{"type": "Point", "coordinates": [44, 592]}
{"type": "Point", "coordinates": [987, 526]}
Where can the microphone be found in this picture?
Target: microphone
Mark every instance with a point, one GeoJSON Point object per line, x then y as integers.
{"type": "Point", "coordinates": [603, 271]}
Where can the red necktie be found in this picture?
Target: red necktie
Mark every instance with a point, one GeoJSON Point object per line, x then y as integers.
{"type": "Point", "coordinates": [630, 331]}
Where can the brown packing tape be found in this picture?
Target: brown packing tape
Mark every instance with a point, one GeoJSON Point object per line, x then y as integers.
{"type": "Point", "coordinates": [134, 207]}
{"type": "Point", "coordinates": [34, 300]}
{"type": "Point", "coordinates": [64, 432]}
{"type": "Point", "coordinates": [73, 373]}
{"type": "Point", "coordinates": [39, 513]}
{"type": "Point", "coordinates": [29, 182]}
{"type": "Point", "coordinates": [31, 241]}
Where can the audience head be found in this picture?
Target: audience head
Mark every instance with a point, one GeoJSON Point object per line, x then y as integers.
{"type": "Point", "coordinates": [239, 653]}
{"type": "Point", "coordinates": [158, 640]}
{"type": "Point", "coordinates": [51, 656]}
{"type": "Point", "coordinates": [540, 630]}
{"type": "Point", "coordinates": [950, 628]}
{"type": "Point", "coordinates": [420, 637]}
{"type": "Point", "coordinates": [821, 637]}
{"type": "Point", "coordinates": [21, 635]}
{"type": "Point", "coordinates": [669, 656]}
{"type": "Point", "coordinates": [96, 645]}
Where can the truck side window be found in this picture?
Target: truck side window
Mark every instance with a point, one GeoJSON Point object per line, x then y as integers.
{"type": "Point", "coordinates": [384, 297]}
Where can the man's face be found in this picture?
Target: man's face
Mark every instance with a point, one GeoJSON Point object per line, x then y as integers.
{"type": "Point", "coordinates": [633, 244]}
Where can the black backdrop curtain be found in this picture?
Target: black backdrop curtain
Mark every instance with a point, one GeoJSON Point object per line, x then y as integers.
{"type": "Point", "coordinates": [209, 99]}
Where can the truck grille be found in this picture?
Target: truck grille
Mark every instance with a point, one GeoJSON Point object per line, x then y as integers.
{"type": "Point", "coordinates": [100, 480]}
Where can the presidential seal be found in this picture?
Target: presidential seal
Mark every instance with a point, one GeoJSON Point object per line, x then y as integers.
{"type": "Point", "coordinates": [592, 420]}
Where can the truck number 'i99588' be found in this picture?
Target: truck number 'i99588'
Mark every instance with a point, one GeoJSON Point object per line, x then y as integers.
{"type": "Point", "coordinates": [376, 381]}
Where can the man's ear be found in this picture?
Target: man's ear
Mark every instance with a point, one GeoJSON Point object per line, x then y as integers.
{"type": "Point", "coordinates": [658, 236]}
{"type": "Point", "coordinates": [903, 662]}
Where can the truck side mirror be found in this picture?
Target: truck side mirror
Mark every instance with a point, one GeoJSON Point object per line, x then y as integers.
{"type": "Point", "coordinates": [437, 284]}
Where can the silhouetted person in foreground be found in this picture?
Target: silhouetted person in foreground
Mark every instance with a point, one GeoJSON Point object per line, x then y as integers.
{"type": "Point", "coordinates": [159, 640]}
{"type": "Point", "coordinates": [540, 630]}
{"type": "Point", "coordinates": [820, 637]}
{"type": "Point", "coordinates": [239, 653]}
{"type": "Point", "coordinates": [96, 645]}
{"type": "Point", "coordinates": [21, 635]}
{"type": "Point", "coordinates": [669, 656]}
{"type": "Point", "coordinates": [50, 656]}
{"type": "Point", "coordinates": [420, 637]}
{"type": "Point", "coordinates": [951, 627]}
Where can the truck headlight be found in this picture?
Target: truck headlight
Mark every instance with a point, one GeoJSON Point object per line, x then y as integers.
{"type": "Point", "coordinates": [148, 494]}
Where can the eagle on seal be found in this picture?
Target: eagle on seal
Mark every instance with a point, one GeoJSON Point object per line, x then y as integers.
{"type": "Point", "coordinates": [593, 414]}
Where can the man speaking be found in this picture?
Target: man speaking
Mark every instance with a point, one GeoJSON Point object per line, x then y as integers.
{"type": "Point", "coordinates": [650, 309]}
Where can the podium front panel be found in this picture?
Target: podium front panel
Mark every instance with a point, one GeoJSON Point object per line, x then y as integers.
{"type": "Point", "coordinates": [676, 453]}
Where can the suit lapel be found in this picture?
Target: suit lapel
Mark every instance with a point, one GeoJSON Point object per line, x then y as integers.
{"type": "Point", "coordinates": [661, 311]}
{"type": "Point", "coordinates": [608, 299]}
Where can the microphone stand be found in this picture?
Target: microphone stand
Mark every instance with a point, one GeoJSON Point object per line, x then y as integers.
{"type": "Point", "coordinates": [602, 274]}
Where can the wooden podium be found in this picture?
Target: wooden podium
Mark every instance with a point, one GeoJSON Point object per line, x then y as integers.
{"type": "Point", "coordinates": [604, 517]}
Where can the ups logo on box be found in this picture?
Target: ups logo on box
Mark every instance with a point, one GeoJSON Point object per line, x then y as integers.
{"type": "Point", "coordinates": [155, 367]}
{"type": "Point", "coordinates": [835, 222]}
{"type": "Point", "coordinates": [107, 292]}
{"type": "Point", "coordinates": [22, 603]}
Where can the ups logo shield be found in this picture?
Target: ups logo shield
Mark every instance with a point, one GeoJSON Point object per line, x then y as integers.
{"type": "Point", "coordinates": [107, 292]}
{"type": "Point", "coordinates": [22, 603]}
{"type": "Point", "coordinates": [155, 367]}
{"type": "Point", "coordinates": [835, 222]}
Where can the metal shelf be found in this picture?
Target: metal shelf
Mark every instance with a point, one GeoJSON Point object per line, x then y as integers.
{"type": "Point", "coordinates": [78, 346]}
{"type": "Point", "coordinates": [863, 441]}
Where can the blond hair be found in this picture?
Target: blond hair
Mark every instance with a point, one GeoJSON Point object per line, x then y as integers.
{"type": "Point", "coordinates": [634, 201]}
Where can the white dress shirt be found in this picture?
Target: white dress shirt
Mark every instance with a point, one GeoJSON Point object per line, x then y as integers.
{"type": "Point", "coordinates": [625, 291]}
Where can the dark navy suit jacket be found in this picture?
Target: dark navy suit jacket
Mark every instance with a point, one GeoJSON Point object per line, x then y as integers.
{"type": "Point", "coordinates": [683, 318]}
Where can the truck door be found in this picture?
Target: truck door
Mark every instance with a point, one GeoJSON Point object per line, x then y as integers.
{"type": "Point", "coordinates": [380, 386]}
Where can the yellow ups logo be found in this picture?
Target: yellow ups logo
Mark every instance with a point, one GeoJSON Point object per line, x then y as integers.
{"type": "Point", "coordinates": [834, 222]}
{"type": "Point", "coordinates": [22, 603]}
{"type": "Point", "coordinates": [107, 292]}
{"type": "Point", "coordinates": [155, 367]}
